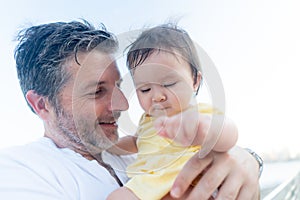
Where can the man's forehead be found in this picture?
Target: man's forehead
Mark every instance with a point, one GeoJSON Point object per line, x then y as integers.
{"type": "Point", "coordinates": [94, 68]}
{"type": "Point", "coordinates": [95, 63]}
{"type": "Point", "coordinates": [99, 74]}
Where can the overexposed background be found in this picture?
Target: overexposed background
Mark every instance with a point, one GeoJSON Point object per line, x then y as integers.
{"type": "Point", "coordinates": [255, 46]}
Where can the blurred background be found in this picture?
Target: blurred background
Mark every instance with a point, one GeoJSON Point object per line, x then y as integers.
{"type": "Point", "coordinates": [255, 46]}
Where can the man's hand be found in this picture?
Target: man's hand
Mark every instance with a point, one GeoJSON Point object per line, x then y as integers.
{"type": "Point", "coordinates": [234, 174]}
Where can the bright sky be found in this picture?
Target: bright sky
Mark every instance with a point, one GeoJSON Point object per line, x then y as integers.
{"type": "Point", "coordinates": [255, 46]}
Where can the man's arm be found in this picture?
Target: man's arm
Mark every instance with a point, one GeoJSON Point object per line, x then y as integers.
{"type": "Point", "coordinates": [235, 174]}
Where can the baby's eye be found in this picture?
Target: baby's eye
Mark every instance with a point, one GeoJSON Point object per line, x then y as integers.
{"type": "Point", "coordinates": [168, 84]}
{"type": "Point", "coordinates": [145, 90]}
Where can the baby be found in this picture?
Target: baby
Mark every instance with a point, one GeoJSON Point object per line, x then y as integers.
{"type": "Point", "coordinates": [166, 72]}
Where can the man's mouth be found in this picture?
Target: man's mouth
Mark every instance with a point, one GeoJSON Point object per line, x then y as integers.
{"type": "Point", "coordinates": [108, 123]}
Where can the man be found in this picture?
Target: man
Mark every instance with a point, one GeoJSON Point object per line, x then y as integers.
{"type": "Point", "coordinates": [70, 79]}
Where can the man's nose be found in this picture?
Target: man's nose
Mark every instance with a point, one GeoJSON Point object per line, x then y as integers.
{"type": "Point", "coordinates": [118, 100]}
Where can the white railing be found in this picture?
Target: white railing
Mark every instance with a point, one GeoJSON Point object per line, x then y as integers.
{"type": "Point", "coordinates": [289, 190]}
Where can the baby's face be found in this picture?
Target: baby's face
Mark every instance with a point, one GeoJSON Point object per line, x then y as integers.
{"type": "Point", "coordinates": [164, 84]}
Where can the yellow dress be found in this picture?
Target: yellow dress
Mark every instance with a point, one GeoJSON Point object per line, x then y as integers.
{"type": "Point", "coordinates": [159, 160]}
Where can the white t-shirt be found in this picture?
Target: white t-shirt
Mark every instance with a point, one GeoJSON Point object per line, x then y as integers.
{"type": "Point", "coordinates": [41, 171]}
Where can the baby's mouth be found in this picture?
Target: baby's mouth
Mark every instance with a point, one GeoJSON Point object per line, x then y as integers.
{"type": "Point", "coordinates": [158, 110]}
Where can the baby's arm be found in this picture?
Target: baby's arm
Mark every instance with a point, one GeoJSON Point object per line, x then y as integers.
{"type": "Point", "coordinates": [194, 128]}
{"type": "Point", "coordinates": [126, 145]}
{"type": "Point", "coordinates": [228, 136]}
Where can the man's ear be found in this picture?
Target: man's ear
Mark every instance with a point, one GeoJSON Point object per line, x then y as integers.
{"type": "Point", "coordinates": [38, 103]}
{"type": "Point", "coordinates": [198, 81]}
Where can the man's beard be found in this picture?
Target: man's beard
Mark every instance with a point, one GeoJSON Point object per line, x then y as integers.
{"type": "Point", "coordinates": [83, 133]}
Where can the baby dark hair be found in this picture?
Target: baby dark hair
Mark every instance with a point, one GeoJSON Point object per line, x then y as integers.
{"type": "Point", "coordinates": [167, 37]}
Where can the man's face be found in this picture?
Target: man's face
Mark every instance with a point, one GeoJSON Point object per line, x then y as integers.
{"type": "Point", "coordinates": [91, 102]}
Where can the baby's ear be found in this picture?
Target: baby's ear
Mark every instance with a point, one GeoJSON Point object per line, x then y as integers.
{"type": "Point", "coordinates": [37, 103]}
{"type": "Point", "coordinates": [197, 81]}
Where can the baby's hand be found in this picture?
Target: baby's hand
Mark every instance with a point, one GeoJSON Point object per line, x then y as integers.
{"type": "Point", "coordinates": [187, 128]}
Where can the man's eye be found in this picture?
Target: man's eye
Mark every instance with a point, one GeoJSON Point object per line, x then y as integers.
{"type": "Point", "coordinates": [168, 84]}
{"type": "Point", "coordinates": [99, 92]}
